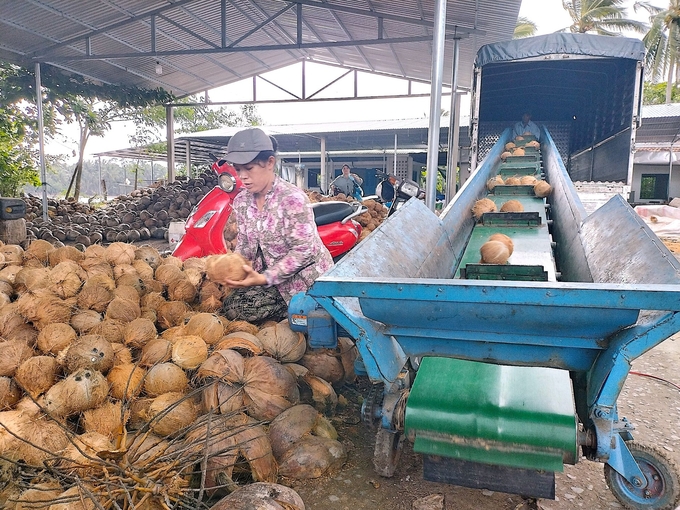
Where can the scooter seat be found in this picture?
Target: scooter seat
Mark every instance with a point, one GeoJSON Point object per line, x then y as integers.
{"type": "Point", "coordinates": [330, 212]}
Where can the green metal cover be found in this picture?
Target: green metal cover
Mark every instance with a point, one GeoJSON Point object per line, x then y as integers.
{"type": "Point", "coordinates": [520, 417]}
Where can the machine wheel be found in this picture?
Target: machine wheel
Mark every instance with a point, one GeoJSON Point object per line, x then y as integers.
{"type": "Point", "coordinates": [388, 446]}
{"type": "Point", "coordinates": [663, 488]}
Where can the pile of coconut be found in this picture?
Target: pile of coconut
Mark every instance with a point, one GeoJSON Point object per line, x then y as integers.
{"type": "Point", "coordinates": [369, 220]}
{"type": "Point", "coordinates": [121, 388]}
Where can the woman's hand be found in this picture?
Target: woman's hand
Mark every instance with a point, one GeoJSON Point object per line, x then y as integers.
{"type": "Point", "coordinates": [252, 278]}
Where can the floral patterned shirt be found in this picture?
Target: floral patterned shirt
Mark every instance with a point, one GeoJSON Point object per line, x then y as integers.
{"type": "Point", "coordinates": [286, 233]}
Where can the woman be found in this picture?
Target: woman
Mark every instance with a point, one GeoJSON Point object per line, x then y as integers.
{"type": "Point", "coordinates": [276, 229]}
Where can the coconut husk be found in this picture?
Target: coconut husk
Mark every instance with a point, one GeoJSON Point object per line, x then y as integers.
{"type": "Point", "coordinates": [9, 272]}
{"type": "Point", "coordinates": [81, 455]}
{"type": "Point", "coordinates": [263, 496]}
{"type": "Point", "coordinates": [189, 351]}
{"type": "Point", "coordinates": [152, 300]}
{"type": "Point", "coordinates": [120, 270]}
{"type": "Point", "coordinates": [106, 419]}
{"type": "Point", "coordinates": [64, 253]}
{"type": "Point", "coordinates": [282, 343]}
{"type": "Point", "coordinates": [225, 440]}
{"type": "Point", "coordinates": [165, 378]}
{"type": "Point", "coordinates": [245, 343]}
{"type": "Point", "coordinates": [182, 290]}
{"type": "Point", "coordinates": [173, 334]}
{"type": "Point", "coordinates": [518, 151]}
{"type": "Point", "coordinates": [126, 284]}
{"type": "Point", "coordinates": [119, 253]}
{"type": "Point", "coordinates": [485, 205]}
{"type": "Point", "coordinates": [324, 363]}
{"type": "Point", "coordinates": [194, 263]}
{"type": "Point", "coordinates": [493, 182]}
{"type": "Point", "coordinates": [94, 297]}
{"type": "Point", "coordinates": [110, 329]}
{"type": "Point", "coordinates": [38, 250]}
{"type": "Point", "coordinates": [512, 206]}
{"type": "Point", "coordinates": [223, 374]}
{"type": "Point", "coordinates": [503, 239]}
{"type": "Point", "coordinates": [513, 181]}
{"type": "Point", "coordinates": [27, 303]}
{"type": "Point", "coordinates": [121, 354]}
{"type": "Point", "coordinates": [4, 299]}
{"type": "Point", "coordinates": [10, 393]}
{"type": "Point", "coordinates": [145, 448]}
{"type": "Point", "coordinates": [94, 251]}
{"type": "Point", "coordinates": [268, 388]}
{"type": "Point", "coordinates": [123, 310]}
{"type": "Point", "coordinates": [80, 391]}
{"type": "Point", "coordinates": [66, 278]}
{"type": "Point", "coordinates": [168, 273]}
{"type": "Point", "coordinates": [13, 253]}
{"type": "Point", "coordinates": [84, 320]}
{"type": "Point", "coordinates": [156, 351]}
{"type": "Point", "coordinates": [312, 457]}
{"type": "Point", "coordinates": [49, 311]}
{"type": "Point", "coordinates": [542, 189]}
{"type": "Point", "coordinates": [494, 252]}
{"type": "Point", "coordinates": [10, 318]}
{"type": "Point", "coordinates": [171, 313]}
{"type": "Point", "coordinates": [73, 499]}
{"type": "Point", "coordinates": [6, 288]}
{"type": "Point", "coordinates": [101, 280]}
{"type": "Point", "coordinates": [296, 423]}
{"type": "Point", "coordinates": [324, 397]}
{"type": "Point", "coordinates": [144, 270]}
{"type": "Point", "coordinates": [37, 374]}
{"type": "Point", "coordinates": [195, 276]}
{"type": "Point", "coordinates": [208, 326]}
{"type": "Point", "coordinates": [149, 255]}
{"type": "Point", "coordinates": [505, 155]}
{"type": "Point", "coordinates": [89, 351]}
{"type": "Point", "coordinates": [31, 278]}
{"type": "Point", "coordinates": [126, 381]}
{"type": "Point", "coordinates": [170, 413]}
{"type": "Point", "coordinates": [173, 261]}
{"type": "Point", "coordinates": [97, 267]}
{"type": "Point", "coordinates": [149, 314]}
{"type": "Point", "coordinates": [56, 337]}
{"type": "Point", "coordinates": [12, 354]}
{"type": "Point", "coordinates": [39, 496]}
{"type": "Point", "coordinates": [139, 332]}
{"type": "Point", "coordinates": [25, 333]}
{"type": "Point", "coordinates": [139, 407]}
{"type": "Point", "coordinates": [528, 180]}
{"type": "Point", "coordinates": [212, 292]}
{"type": "Point", "coordinates": [229, 266]}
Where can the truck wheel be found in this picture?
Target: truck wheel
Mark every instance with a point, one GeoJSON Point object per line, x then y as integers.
{"type": "Point", "coordinates": [388, 446]}
{"type": "Point", "coordinates": [663, 488]}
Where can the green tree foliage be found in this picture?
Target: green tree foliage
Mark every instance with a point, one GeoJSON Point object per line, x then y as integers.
{"type": "Point", "coordinates": [16, 163]}
{"type": "Point", "coordinates": [524, 28]}
{"type": "Point", "coordinates": [655, 93]}
{"type": "Point", "coordinates": [603, 17]}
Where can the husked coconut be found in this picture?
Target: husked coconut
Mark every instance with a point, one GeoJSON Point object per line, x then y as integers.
{"type": "Point", "coordinates": [482, 206]}
{"type": "Point", "coordinates": [106, 419]}
{"type": "Point", "coordinates": [505, 155]}
{"type": "Point", "coordinates": [513, 181]}
{"type": "Point", "coordinates": [123, 310]}
{"type": "Point", "coordinates": [56, 337]}
{"type": "Point", "coordinates": [503, 239]}
{"type": "Point", "coordinates": [144, 270]}
{"type": "Point", "coordinates": [263, 496]}
{"type": "Point", "coordinates": [110, 329]}
{"type": "Point", "coordinates": [119, 253]}
{"type": "Point", "coordinates": [64, 253]}
{"type": "Point", "coordinates": [12, 354]}
{"type": "Point", "coordinates": [512, 206]}
{"type": "Point", "coordinates": [148, 254]}
{"type": "Point", "coordinates": [165, 378]}
{"type": "Point", "coordinates": [171, 313]}
{"type": "Point", "coordinates": [126, 381]}
{"type": "Point", "coordinates": [283, 343]}
{"type": "Point", "coordinates": [528, 180]}
{"type": "Point", "coordinates": [170, 413]}
{"type": "Point", "coordinates": [208, 326]}
{"type": "Point", "coordinates": [26, 333]}
{"type": "Point", "coordinates": [173, 261]}
{"type": "Point", "coordinates": [94, 251]}
{"type": "Point", "coordinates": [210, 297]}
{"type": "Point", "coordinates": [139, 332]}
{"type": "Point", "coordinates": [152, 300]}
{"type": "Point", "coordinates": [156, 351]}
{"type": "Point", "coordinates": [84, 320]}
{"type": "Point", "coordinates": [189, 351]}
{"type": "Point", "coordinates": [296, 423]}
{"type": "Point", "coordinates": [510, 145]}
{"type": "Point", "coordinates": [494, 252]}
{"type": "Point", "coordinates": [168, 273]}
{"type": "Point", "coordinates": [80, 391]}
{"type": "Point", "coordinates": [493, 182]}
{"type": "Point", "coordinates": [130, 290]}
{"type": "Point", "coordinates": [229, 266]}
{"type": "Point", "coordinates": [324, 363]}
{"type": "Point", "coordinates": [31, 278]}
{"type": "Point", "coordinates": [312, 457]}
{"type": "Point", "coordinates": [89, 351]}
{"type": "Point", "coordinates": [37, 374]}
{"type": "Point", "coordinates": [9, 393]}
{"type": "Point", "coordinates": [542, 189]}
{"type": "Point", "coordinates": [94, 297]}
{"type": "Point", "coordinates": [121, 354]}
{"type": "Point", "coordinates": [518, 151]}
{"type": "Point", "coordinates": [120, 270]}
{"type": "Point", "coordinates": [182, 290]}
{"type": "Point", "coordinates": [38, 250]}
{"type": "Point", "coordinates": [10, 318]}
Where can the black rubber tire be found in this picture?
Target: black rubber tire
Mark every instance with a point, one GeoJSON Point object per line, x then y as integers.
{"type": "Point", "coordinates": [388, 447]}
{"type": "Point", "coordinates": [663, 486]}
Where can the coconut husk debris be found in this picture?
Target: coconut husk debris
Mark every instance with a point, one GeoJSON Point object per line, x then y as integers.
{"type": "Point", "coordinates": [110, 385]}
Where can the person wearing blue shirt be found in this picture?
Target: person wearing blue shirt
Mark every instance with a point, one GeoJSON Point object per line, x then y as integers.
{"type": "Point", "coordinates": [347, 183]}
{"type": "Point", "coordinates": [527, 126]}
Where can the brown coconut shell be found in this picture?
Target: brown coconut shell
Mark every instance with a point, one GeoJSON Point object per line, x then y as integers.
{"type": "Point", "coordinates": [65, 253]}
{"type": "Point", "coordinates": [89, 351]}
{"type": "Point", "coordinates": [144, 270]}
{"type": "Point", "coordinates": [148, 254]}
{"type": "Point", "coordinates": [149, 314]}
{"type": "Point", "coordinates": [10, 393]}
{"type": "Point", "coordinates": [94, 297]}
{"type": "Point", "coordinates": [503, 239]}
{"type": "Point", "coordinates": [324, 363]}
{"type": "Point", "coordinates": [126, 381]}
{"type": "Point", "coordinates": [106, 419]}
{"type": "Point", "coordinates": [245, 343]}
{"type": "Point", "coordinates": [505, 155]}
{"type": "Point", "coordinates": [528, 180]}
{"type": "Point", "coordinates": [513, 181]}
{"type": "Point", "coordinates": [119, 253]}
{"type": "Point", "coordinates": [84, 320]}
{"type": "Point", "coordinates": [38, 250]}
{"type": "Point", "coordinates": [170, 413]}
{"type": "Point", "coordinates": [282, 343]}
{"type": "Point", "coordinates": [130, 292]}
{"type": "Point", "coordinates": [12, 354]}
{"type": "Point", "coordinates": [494, 252]}
{"type": "Point", "coordinates": [208, 326]}
{"type": "Point", "coordinates": [168, 273]}
{"type": "Point", "coordinates": [139, 332]}
{"type": "Point", "coordinates": [182, 290]}
{"type": "Point", "coordinates": [236, 326]}
{"type": "Point", "coordinates": [542, 189]}
{"type": "Point", "coordinates": [37, 374]}
{"type": "Point", "coordinates": [229, 266]}
{"type": "Point", "coordinates": [123, 310]}
{"type": "Point", "coordinates": [80, 391]}
{"type": "Point", "coordinates": [312, 457]}
{"type": "Point", "coordinates": [156, 351]}
{"type": "Point", "coordinates": [81, 455]}
{"type": "Point", "coordinates": [121, 354]}
{"type": "Point", "coordinates": [189, 351]}
{"type": "Point", "coordinates": [485, 205]}
{"type": "Point", "coordinates": [512, 206]}
{"type": "Point", "coordinates": [493, 182]}
{"type": "Point", "coordinates": [56, 337]}
{"type": "Point", "coordinates": [165, 378]}
{"type": "Point", "coordinates": [26, 333]}
{"type": "Point", "coordinates": [518, 151]}
{"type": "Point", "coordinates": [171, 313]}
{"type": "Point", "coordinates": [73, 499]}
{"type": "Point", "coordinates": [110, 329]}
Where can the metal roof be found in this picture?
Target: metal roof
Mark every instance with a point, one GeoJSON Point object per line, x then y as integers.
{"type": "Point", "coordinates": [200, 44]}
{"type": "Point", "coordinates": [660, 126]}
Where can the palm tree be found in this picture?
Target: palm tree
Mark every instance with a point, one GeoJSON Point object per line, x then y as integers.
{"type": "Point", "coordinates": [662, 42]}
{"type": "Point", "coordinates": [603, 17]}
{"type": "Point", "coordinates": [524, 28]}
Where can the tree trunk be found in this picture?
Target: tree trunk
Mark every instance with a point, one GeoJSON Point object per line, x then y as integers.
{"type": "Point", "coordinates": [70, 184]}
{"type": "Point", "coordinates": [84, 133]}
{"type": "Point", "coordinates": [669, 82]}
{"type": "Point", "coordinates": [136, 174]}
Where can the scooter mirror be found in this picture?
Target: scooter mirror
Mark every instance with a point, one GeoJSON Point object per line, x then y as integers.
{"type": "Point", "coordinates": [409, 188]}
{"type": "Point", "coordinates": [226, 182]}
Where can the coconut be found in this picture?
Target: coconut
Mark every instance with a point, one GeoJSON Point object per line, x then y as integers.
{"type": "Point", "coordinates": [512, 206]}
{"type": "Point", "coordinates": [149, 314]}
{"type": "Point", "coordinates": [210, 297]}
{"type": "Point", "coordinates": [89, 351]}
{"type": "Point", "coordinates": [64, 253]}
{"type": "Point", "coordinates": [13, 253]}
{"type": "Point", "coordinates": [169, 413]}
{"type": "Point", "coordinates": [156, 351]}
{"type": "Point", "coordinates": [126, 381]}
{"type": "Point", "coordinates": [110, 329]}
{"type": "Point", "coordinates": [283, 343]}
{"type": "Point", "coordinates": [518, 151]}
{"type": "Point", "coordinates": [56, 337]}
{"type": "Point", "coordinates": [165, 378]}
{"type": "Point", "coordinates": [528, 180]}
{"type": "Point", "coordinates": [9, 393]}
{"type": "Point", "coordinates": [173, 261]}
{"type": "Point", "coordinates": [171, 313]}
{"type": "Point", "coordinates": [324, 397]}
{"type": "Point", "coordinates": [263, 496]}
{"type": "Point", "coordinates": [94, 297]}
{"type": "Point", "coordinates": [139, 332]}
{"type": "Point", "coordinates": [119, 253]}
{"type": "Point", "coordinates": [505, 155]}
{"type": "Point", "coordinates": [168, 273]}
{"type": "Point", "coordinates": [121, 270]}
{"type": "Point", "coordinates": [510, 145]}
{"type": "Point", "coordinates": [152, 300]}
{"type": "Point", "coordinates": [208, 326]}
{"type": "Point", "coordinates": [9, 273]}
{"type": "Point", "coordinates": [504, 239]}
{"type": "Point", "coordinates": [31, 278]}
{"type": "Point", "coordinates": [38, 250]}
{"type": "Point", "coordinates": [296, 423]}
{"type": "Point", "coordinates": [236, 326]}
{"type": "Point", "coordinates": [4, 299]}
{"type": "Point", "coordinates": [182, 290]}
{"type": "Point", "coordinates": [97, 267]}
{"type": "Point", "coordinates": [82, 453]}
{"type": "Point", "coordinates": [194, 276]}
{"type": "Point", "coordinates": [312, 457]}
{"type": "Point", "coordinates": [65, 279]}
{"type": "Point", "coordinates": [493, 182]}
{"type": "Point", "coordinates": [37, 374]}
{"type": "Point", "coordinates": [51, 310]}
{"type": "Point", "coordinates": [189, 351]}
{"type": "Point", "coordinates": [245, 343]}
{"type": "Point", "coordinates": [229, 266]}
{"type": "Point", "coordinates": [542, 189]}
{"type": "Point", "coordinates": [24, 332]}
{"type": "Point", "coordinates": [12, 354]}
{"type": "Point", "coordinates": [103, 280]}
{"type": "Point", "coordinates": [534, 143]}
{"type": "Point", "coordinates": [194, 263]}
{"type": "Point", "coordinates": [144, 270]}
{"type": "Point", "coordinates": [80, 391]}
{"type": "Point", "coordinates": [144, 448]}
{"type": "Point", "coordinates": [106, 419]}
{"type": "Point", "coordinates": [149, 255]}
{"type": "Point", "coordinates": [485, 205]}
{"type": "Point", "coordinates": [121, 354]}
{"type": "Point", "coordinates": [129, 292]}
{"type": "Point", "coordinates": [173, 334]}
{"type": "Point", "coordinates": [94, 251]}
{"type": "Point", "coordinates": [73, 499]}
{"type": "Point", "coordinates": [324, 363]}
{"type": "Point", "coordinates": [123, 310]}
{"type": "Point", "coordinates": [519, 138]}
{"type": "Point", "coordinates": [513, 181]}
{"type": "Point", "coordinates": [494, 252]}
{"type": "Point", "coordinates": [84, 320]}
{"type": "Point", "coordinates": [38, 496]}
{"type": "Point", "coordinates": [10, 318]}
{"type": "Point", "coordinates": [6, 288]}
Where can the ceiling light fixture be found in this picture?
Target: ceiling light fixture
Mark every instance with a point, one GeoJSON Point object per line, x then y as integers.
{"type": "Point", "coordinates": [159, 68]}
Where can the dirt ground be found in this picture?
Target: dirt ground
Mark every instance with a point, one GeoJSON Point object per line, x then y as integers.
{"type": "Point", "coordinates": [651, 405]}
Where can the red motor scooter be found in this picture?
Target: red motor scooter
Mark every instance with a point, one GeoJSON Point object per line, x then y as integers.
{"type": "Point", "coordinates": [205, 226]}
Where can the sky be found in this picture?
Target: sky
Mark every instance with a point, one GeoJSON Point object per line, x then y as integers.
{"type": "Point", "coordinates": [548, 15]}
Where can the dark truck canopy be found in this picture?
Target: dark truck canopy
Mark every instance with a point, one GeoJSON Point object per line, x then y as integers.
{"type": "Point", "coordinates": [584, 88]}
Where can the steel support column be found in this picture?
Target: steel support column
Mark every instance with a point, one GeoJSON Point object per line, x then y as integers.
{"type": "Point", "coordinates": [188, 159]}
{"type": "Point", "coordinates": [323, 170]}
{"type": "Point", "coordinates": [454, 126]}
{"type": "Point", "coordinates": [435, 103]}
{"type": "Point", "coordinates": [41, 139]}
{"type": "Point", "coordinates": [170, 136]}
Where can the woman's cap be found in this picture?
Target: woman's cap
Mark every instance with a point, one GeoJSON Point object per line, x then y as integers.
{"type": "Point", "coordinates": [245, 145]}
